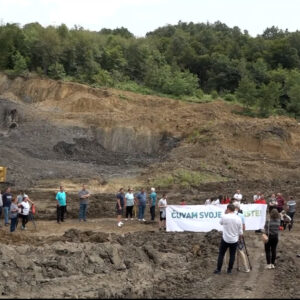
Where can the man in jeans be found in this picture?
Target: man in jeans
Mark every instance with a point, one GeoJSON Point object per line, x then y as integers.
{"type": "Point", "coordinates": [61, 199]}
{"type": "Point", "coordinates": [83, 200]}
{"type": "Point", "coordinates": [232, 232]}
{"type": "Point", "coordinates": [141, 196]}
{"type": "Point", "coordinates": [7, 199]}
{"type": "Point", "coordinates": [152, 203]}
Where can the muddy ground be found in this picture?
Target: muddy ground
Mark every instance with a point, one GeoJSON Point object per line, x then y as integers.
{"type": "Point", "coordinates": [98, 259]}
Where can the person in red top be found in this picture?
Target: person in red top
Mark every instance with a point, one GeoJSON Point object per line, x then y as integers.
{"type": "Point", "coordinates": [183, 202]}
{"type": "Point", "coordinates": [261, 200]}
{"type": "Point", "coordinates": [225, 200]}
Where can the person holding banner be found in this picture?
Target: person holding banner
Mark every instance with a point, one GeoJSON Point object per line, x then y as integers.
{"type": "Point", "coordinates": [162, 204]}
{"type": "Point", "coordinates": [232, 233]}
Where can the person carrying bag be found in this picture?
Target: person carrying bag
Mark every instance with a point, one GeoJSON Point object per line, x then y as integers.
{"type": "Point", "coordinates": [271, 239]}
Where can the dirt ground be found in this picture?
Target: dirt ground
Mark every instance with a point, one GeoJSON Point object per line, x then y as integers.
{"type": "Point", "coordinates": [99, 259]}
{"type": "Point", "coordinates": [54, 133]}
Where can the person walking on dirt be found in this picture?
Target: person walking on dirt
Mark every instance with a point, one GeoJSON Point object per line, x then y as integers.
{"type": "Point", "coordinates": [291, 211]}
{"type": "Point", "coordinates": [284, 219]}
{"type": "Point", "coordinates": [83, 203]}
{"type": "Point", "coordinates": [162, 204]}
{"type": "Point", "coordinates": [7, 198]}
{"type": "Point", "coordinates": [13, 214]}
{"type": "Point", "coordinates": [272, 231]}
{"type": "Point", "coordinates": [129, 200]}
{"type": "Point", "coordinates": [61, 199]}
{"type": "Point", "coordinates": [232, 233]}
{"type": "Point", "coordinates": [120, 206]}
{"type": "Point", "coordinates": [272, 202]}
{"type": "Point", "coordinates": [280, 202]}
{"type": "Point", "coordinates": [152, 203]}
{"type": "Point", "coordinates": [25, 208]}
{"type": "Point", "coordinates": [141, 198]}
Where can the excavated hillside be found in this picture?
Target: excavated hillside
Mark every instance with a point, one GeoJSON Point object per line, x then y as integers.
{"type": "Point", "coordinates": [70, 131]}
{"type": "Point", "coordinates": [54, 133]}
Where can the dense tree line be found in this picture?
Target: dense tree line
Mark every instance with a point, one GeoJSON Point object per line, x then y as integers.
{"type": "Point", "coordinates": [186, 59]}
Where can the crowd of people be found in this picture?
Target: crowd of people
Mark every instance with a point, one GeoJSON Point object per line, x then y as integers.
{"type": "Point", "coordinates": [129, 201]}
{"type": "Point", "coordinates": [131, 205]}
{"type": "Point", "coordinates": [15, 209]}
{"type": "Point", "coordinates": [280, 216]}
{"type": "Point", "coordinates": [275, 201]}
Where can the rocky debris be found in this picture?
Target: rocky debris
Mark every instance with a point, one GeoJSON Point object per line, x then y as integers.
{"type": "Point", "coordinates": [149, 270]}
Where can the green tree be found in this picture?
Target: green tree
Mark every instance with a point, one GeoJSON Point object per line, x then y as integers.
{"type": "Point", "coordinates": [103, 78]}
{"type": "Point", "coordinates": [19, 63]}
{"type": "Point", "coordinates": [246, 92]}
{"type": "Point", "coordinates": [293, 92]}
{"type": "Point", "coordinates": [56, 71]}
{"type": "Point", "coordinates": [268, 98]}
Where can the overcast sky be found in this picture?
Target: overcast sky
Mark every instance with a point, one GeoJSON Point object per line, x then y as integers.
{"type": "Point", "coordinates": [142, 16]}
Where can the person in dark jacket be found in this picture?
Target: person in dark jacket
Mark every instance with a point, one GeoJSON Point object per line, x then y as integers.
{"type": "Point", "coordinates": [7, 199]}
{"type": "Point", "coordinates": [272, 231]}
{"type": "Point", "coordinates": [280, 202]}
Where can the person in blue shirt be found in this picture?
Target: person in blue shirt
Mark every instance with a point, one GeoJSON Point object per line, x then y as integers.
{"type": "Point", "coordinates": [152, 203]}
{"type": "Point", "coordinates": [141, 200]}
{"type": "Point", "coordinates": [61, 199]}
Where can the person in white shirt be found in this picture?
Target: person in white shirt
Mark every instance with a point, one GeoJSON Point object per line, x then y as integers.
{"type": "Point", "coordinates": [232, 233]}
{"type": "Point", "coordinates": [257, 196]}
{"type": "Point", "coordinates": [207, 201]}
{"type": "Point", "coordinates": [215, 201]}
{"type": "Point", "coordinates": [24, 210]}
{"type": "Point", "coordinates": [162, 204]}
{"type": "Point", "coordinates": [238, 196]}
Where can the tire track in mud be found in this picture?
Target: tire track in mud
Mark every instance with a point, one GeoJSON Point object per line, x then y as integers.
{"type": "Point", "coordinates": [239, 284]}
{"type": "Point", "coordinates": [260, 282]}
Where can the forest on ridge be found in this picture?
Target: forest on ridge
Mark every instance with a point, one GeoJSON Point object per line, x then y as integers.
{"type": "Point", "coordinates": [193, 62]}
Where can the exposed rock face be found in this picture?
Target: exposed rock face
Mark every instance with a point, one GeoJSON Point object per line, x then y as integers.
{"type": "Point", "coordinates": [68, 131]}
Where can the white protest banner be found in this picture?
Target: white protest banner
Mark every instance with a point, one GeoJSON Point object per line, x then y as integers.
{"type": "Point", "coordinates": [204, 218]}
